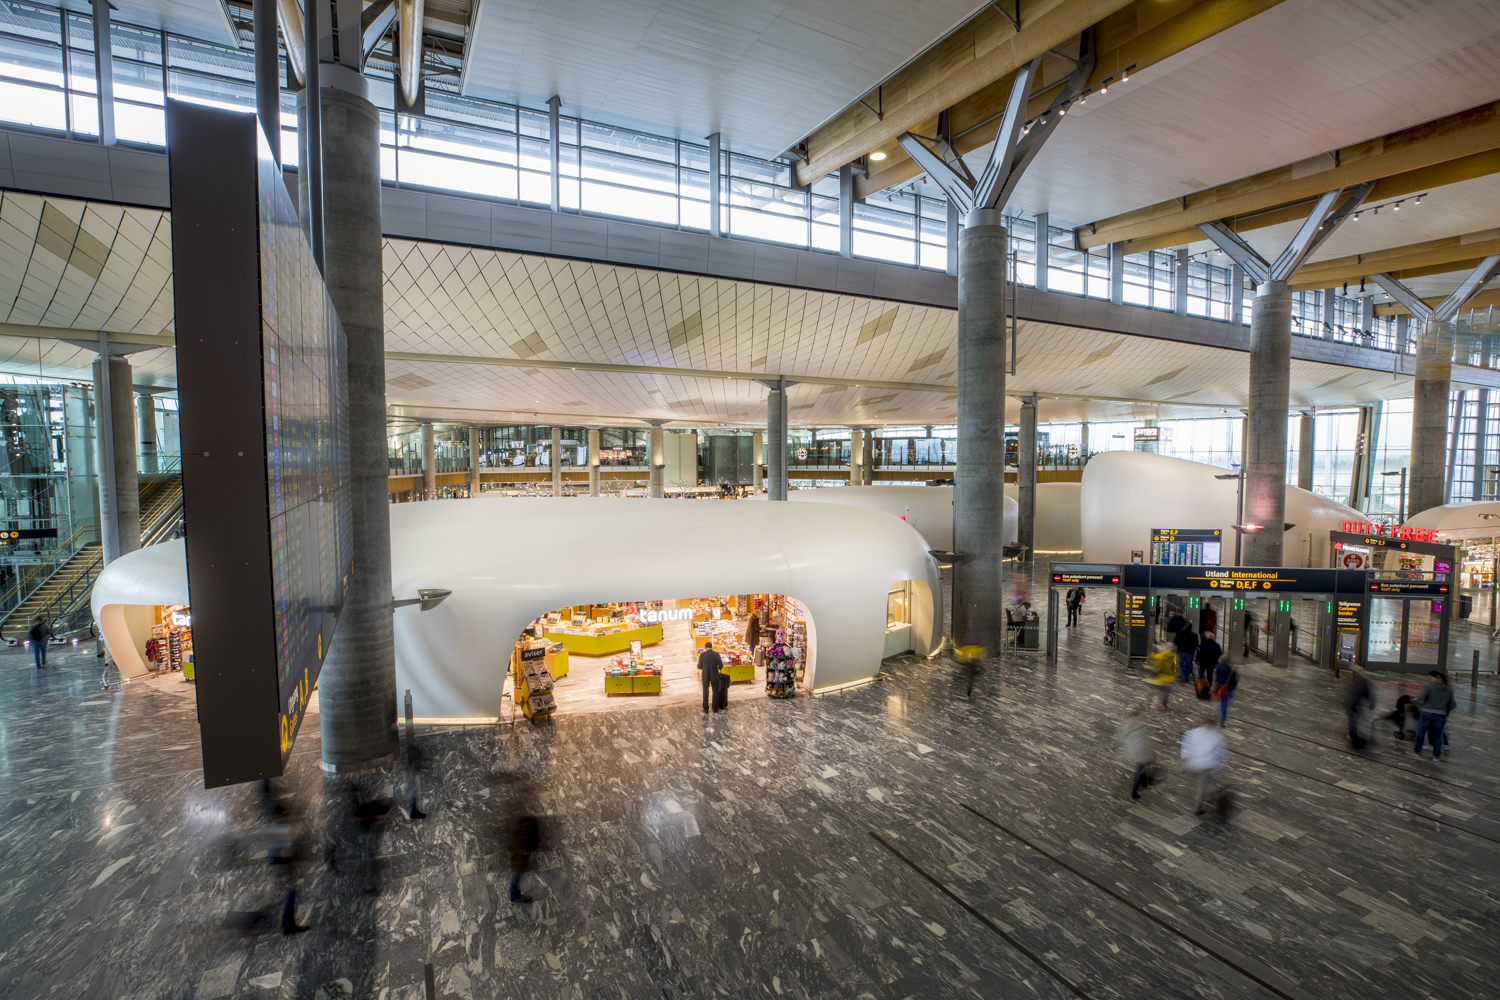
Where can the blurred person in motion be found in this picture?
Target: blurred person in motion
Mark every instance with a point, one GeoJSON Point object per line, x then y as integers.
{"type": "Point", "coordinates": [284, 839]}
{"type": "Point", "coordinates": [1225, 680]}
{"type": "Point", "coordinates": [1358, 696]}
{"type": "Point", "coordinates": [710, 669]}
{"type": "Point", "coordinates": [1186, 642]}
{"type": "Point", "coordinates": [1204, 752]}
{"type": "Point", "coordinates": [1164, 662]}
{"type": "Point", "coordinates": [1403, 717]}
{"type": "Point", "coordinates": [38, 637]}
{"type": "Point", "coordinates": [1134, 740]}
{"type": "Point", "coordinates": [1433, 705]}
{"type": "Point", "coordinates": [525, 838]}
{"type": "Point", "coordinates": [1175, 622]}
{"type": "Point", "coordinates": [1207, 655]}
{"type": "Point", "coordinates": [970, 654]}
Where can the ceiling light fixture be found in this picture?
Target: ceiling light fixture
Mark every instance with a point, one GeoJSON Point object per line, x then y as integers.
{"type": "Point", "coordinates": [877, 156]}
{"type": "Point", "coordinates": [1125, 76]}
{"type": "Point", "coordinates": [1397, 208]}
{"type": "Point", "coordinates": [1356, 216]}
{"type": "Point", "coordinates": [1417, 200]}
{"type": "Point", "coordinates": [1062, 111]}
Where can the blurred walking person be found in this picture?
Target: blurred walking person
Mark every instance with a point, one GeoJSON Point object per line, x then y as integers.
{"type": "Point", "coordinates": [1186, 642]}
{"type": "Point", "coordinates": [1204, 752]}
{"type": "Point", "coordinates": [1135, 747]}
{"type": "Point", "coordinates": [1207, 655]}
{"type": "Point", "coordinates": [525, 839]}
{"type": "Point", "coordinates": [1164, 660]}
{"type": "Point", "coordinates": [1226, 679]}
{"type": "Point", "coordinates": [1075, 602]}
{"type": "Point", "coordinates": [1357, 697]}
{"type": "Point", "coordinates": [1433, 706]}
{"type": "Point", "coordinates": [38, 637]}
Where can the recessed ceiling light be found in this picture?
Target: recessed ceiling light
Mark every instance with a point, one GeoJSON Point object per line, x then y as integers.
{"type": "Point", "coordinates": [877, 156]}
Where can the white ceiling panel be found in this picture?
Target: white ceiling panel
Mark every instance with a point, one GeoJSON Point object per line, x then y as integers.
{"type": "Point", "coordinates": [1305, 77]}
{"type": "Point", "coordinates": [764, 73]}
{"type": "Point", "coordinates": [206, 19]}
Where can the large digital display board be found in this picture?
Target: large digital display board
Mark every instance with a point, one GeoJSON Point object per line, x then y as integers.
{"type": "Point", "coordinates": [262, 375]}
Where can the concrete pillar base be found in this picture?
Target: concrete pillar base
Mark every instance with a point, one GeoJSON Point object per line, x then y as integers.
{"type": "Point", "coordinates": [358, 766]}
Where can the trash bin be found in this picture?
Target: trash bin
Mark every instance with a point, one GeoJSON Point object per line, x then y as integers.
{"type": "Point", "coordinates": [1031, 634]}
{"type": "Point", "coordinates": [1465, 605]}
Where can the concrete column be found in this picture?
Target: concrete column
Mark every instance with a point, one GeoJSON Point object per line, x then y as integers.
{"type": "Point", "coordinates": [776, 444]}
{"type": "Point", "coordinates": [1042, 256]}
{"type": "Point", "coordinates": [1330, 313]}
{"type": "Point", "coordinates": [758, 451]}
{"type": "Point", "coordinates": [1026, 477]}
{"type": "Point", "coordinates": [557, 482]}
{"type": "Point", "coordinates": [1117, 273]}
{"type": "Point", "coordinates": [1083, 443]}
{"type": "Point", "coordinates": [104, 72]}
{"type": "Point", "coordinates": [856, 456]}
{"type": "Point", "coordinates": [145, 404]}
{"type": "Point", "coordinates": [658, 457]}
{"type": "Point", "coordinates": [114, 427]}
{"type": "Point", "coordinates": [1367, 314]}
{"type": "Point", "coordinates": [867, 467]}
{"type": "Point", "coordinates": [715, 198]}
{"type": "Point", "coordinates": [1265, 453]}
{"type": "Point", "coordinates": [979, 481]}
{"type": "Point", "coordinates": [429, 463]}
{"type": "Point", "coordinates": [1306, 442]}
{"type": "Point", "coordinates": [593, 461]}
{"type": "Point", "coordinates": [1480, 430]}
{"type": "Point", "coordinates": [474, 482]}
{"type": "Point", "coordinates": [1429, 419]}
{"type": "Point", "coordinates": [358, 684]}
{"type": "Point", "coordinates": [267, 82]}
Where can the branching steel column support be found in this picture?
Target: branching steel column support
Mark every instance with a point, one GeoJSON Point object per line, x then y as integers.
{"type": "Point", "coordinates": [1432, 384]}
{"type": "Point", "coordinates": [593, 461]}
{"type": "Point", "coordinates": [658, 459]}
{"type": "Point", "coordinates": [1271, 367]}
{"type": "Point", "coordinates": [104, 72]}
{"type": "Point", "coordinates": [1026, 478]}
{"type": "Point", "coordinates": [358, 684]}
{"type": "Point", "coordinates": [267, 75]}
{"type": "Point", "coordinates": [310, 138]}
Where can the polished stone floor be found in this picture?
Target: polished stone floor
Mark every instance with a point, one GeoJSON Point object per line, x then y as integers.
{"type": "Point", "coordinates": [910, 839]}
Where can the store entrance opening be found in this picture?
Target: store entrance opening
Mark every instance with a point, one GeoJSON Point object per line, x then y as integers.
{"type": "Point", "coordinates": [634, 654]}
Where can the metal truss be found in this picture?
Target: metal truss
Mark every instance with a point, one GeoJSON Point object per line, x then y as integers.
{"type": "Point", "coordinates": [1318, 227]}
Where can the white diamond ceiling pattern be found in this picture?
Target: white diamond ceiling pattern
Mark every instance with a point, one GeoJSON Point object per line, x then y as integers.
{"type": "Point", "coordinates": [86, 266]}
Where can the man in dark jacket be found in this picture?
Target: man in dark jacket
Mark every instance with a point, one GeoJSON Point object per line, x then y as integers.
{"type": "Point", "coordinates": [1207, 655]}
{"type": "Point", "coordinates": [39, 635]}
{"type": "Point", "coordinates": [1357, 695]}
{"type": "Point", "coordinates": [1433, 706]}
{"type": "Point", "coordinates": [1186, 642]}
{"type": "Point", "coordinates": [709, 665]}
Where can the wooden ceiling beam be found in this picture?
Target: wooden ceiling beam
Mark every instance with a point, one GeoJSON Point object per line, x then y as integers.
{"type": "Point", "coordinates": [1456, 253]}
{"type": "Point", "coordinates": [1405, 152]}
{"type": "Point", "coordinates": [984, 50]}
{"type": "Point", "coordinates": [1138, 35]}
{"type": "Point", "coordinates": [1419, 181]}
{"type": "Point", "coordinates": [1481, 301]}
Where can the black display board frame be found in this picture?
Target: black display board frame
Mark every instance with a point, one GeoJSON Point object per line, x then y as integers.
{"type": "Point", "coordinates": [254, 450]}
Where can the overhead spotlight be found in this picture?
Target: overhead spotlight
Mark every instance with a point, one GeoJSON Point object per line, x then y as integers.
{"type": "Point", "coordinates": [1062, 111]}
{"type": "Point", "coordinates": [1377, 210]}
{"type": "Point", "coordinates": [1397, 207]}
{"type": "Point", "coordinates": [877, 156]}
{"type": "Point", "coordinates": [1041, 121]}
{"type": "Point", "coordinates": [1417, 200]}
{"type": "Point", "coordinates": [1125, 76]}
{"type": "Point", "coordinates": [1084, 99]}
{"type": "Point", "coordinates": [1356, 216]}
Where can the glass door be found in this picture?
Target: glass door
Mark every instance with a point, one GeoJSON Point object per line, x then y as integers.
{"type": "Point", "coordinates": [1387, 627]}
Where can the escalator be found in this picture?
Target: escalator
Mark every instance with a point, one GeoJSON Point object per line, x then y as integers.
{"type": "Point", "coordinates": [62, 598]}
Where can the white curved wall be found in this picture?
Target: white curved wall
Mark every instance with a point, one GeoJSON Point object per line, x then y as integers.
{"type": "Point", "coordinates": [929, 509]}
{"type": "Point", "coordinates": [1457, 521]}
{"type": "Point", "coordinates": [1127, 493]}
{"type": "Point", "coordinates": [508, 560]}
{"type": "Point", "coordinates": [155, 575]}
{"type": "Point", "coordinates": [1056, 516]}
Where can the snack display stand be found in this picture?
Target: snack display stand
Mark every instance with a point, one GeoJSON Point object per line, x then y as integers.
{"type": "Point", "coordinates": [171, 645]}
{"type": "Point", "coordinates": [631, 674]}
{"type": "Point", "coordinates": [602, 638]}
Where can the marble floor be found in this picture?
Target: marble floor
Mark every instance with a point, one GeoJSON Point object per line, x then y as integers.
{"type": "Point", "coordinates": [932, 835]}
